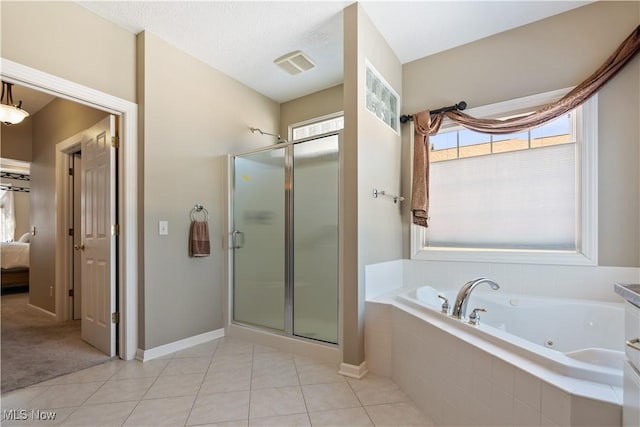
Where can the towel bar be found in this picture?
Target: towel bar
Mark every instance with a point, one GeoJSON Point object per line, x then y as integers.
{"type": "Point", "coordinates": [395, 198]}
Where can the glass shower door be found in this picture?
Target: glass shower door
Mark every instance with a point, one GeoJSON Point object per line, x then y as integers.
{"type": "Point", "coordinates": [259, 239]}
{"type": "Point", "coordinates": [315, 239]}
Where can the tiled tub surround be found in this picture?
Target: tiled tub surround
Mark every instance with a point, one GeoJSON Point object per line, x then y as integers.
{"type": "Point", "coordinates": [456, 378]}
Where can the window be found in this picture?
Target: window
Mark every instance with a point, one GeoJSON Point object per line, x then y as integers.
{"type": "Point", "coordinates": [525, 197]}
{"type": "Point", "coordinates": [7, 216]}
{"type": "Point", "coordinates": [458, 143]}
{"type": "Point", "coordinates": [317, 126]}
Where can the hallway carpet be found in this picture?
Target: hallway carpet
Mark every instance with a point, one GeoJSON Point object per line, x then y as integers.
{"type": "Point", "coordinates": [36, 348]}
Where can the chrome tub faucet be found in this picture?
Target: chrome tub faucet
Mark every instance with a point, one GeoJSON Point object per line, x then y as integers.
{"type": "Point", "coordinates": [460, 306]}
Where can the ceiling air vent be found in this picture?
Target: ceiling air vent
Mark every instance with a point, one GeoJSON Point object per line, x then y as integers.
{"type": "Point", "coordinates": [295, 62]}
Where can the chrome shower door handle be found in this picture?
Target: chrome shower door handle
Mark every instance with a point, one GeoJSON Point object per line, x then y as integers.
{"type": "Point", "coordinates": [237, 238]}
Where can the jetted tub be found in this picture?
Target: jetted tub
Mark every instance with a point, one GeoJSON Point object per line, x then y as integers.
{"type": "Point", "coordinates": [579, 338]}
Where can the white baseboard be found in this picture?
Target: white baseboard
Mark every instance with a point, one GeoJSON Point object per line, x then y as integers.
{"type": "Point", "coordinates": [40, 310]}
{"type": "Point", "coordinates": [353, 371]}
{"type": "Point", "coordinates": [172, 347]}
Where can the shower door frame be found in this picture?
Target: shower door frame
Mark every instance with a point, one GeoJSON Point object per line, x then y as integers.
{"type": "Point", "coordinates": [288, 331]}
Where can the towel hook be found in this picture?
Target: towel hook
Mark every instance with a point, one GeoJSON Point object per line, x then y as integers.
{"type": "Point", "coordinates": [198, 208]}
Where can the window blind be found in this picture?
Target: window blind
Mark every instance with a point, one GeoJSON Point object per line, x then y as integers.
{"type": "Point", "coordinates": [514, 200]}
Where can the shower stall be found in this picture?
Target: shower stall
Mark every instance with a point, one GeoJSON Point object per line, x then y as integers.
{"type": "Point", "coordinates": [284, 220]}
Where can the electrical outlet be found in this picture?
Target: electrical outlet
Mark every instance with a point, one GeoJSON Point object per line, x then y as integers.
{"type": "Point", "coordinates": [50, 291]}
{"type": "Point", "coordinates": [163, 228]}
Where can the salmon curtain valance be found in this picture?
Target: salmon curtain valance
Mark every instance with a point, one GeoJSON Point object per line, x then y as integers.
{"type": "Point", "coordinates": [426, 124]}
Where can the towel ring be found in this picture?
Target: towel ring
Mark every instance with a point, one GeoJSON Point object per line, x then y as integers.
{"type": "Point", "coordinates": [198, 208]}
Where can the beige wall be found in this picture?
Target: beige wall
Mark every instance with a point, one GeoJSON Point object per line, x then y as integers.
{"type": "Point", "coordinates": [67, 40]}
{"type": "Point", "coordinates": [185, 153]}
{"type": "Point", "coordinates": [59, 120]}
{"type": "Point", "coordinates": [317, 104]}
{"type": "Point", "coordinates": [15, 141]}
{"type": "Point", "coordinates": [371, 156]}
{"type": "Point", "coordinates": [555, 53]}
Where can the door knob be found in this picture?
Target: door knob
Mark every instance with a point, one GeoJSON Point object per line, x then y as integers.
{"type": "Point", "coordinates": [78, 247]}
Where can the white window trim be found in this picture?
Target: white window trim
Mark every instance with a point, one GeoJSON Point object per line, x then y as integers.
{"type": "Point", "coordinates": [587, 198]}
{"type": "Point", "coordinates": [311, 122]}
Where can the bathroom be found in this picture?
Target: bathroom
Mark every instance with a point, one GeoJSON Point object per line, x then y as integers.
{"type": "Point", "coordinates": [609, 228]}
{"type": "Point", "coordinates": [556, 53]}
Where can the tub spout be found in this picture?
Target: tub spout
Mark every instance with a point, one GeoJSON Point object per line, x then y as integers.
{"type": "Point", "coordinates": [460, 306]}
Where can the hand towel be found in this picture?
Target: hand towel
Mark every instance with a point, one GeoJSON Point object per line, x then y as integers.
{"type": "Point", "coordinates": [199, 245]}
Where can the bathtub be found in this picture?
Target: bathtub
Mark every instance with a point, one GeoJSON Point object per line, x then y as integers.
{"type": "Point", "coordinates": [581, 339]}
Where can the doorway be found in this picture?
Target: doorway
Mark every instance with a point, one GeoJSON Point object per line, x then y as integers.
{"type": "Point", "coordinates": [127, 206]}
{"type": "Point", "coordinates": [31, 336]}
{"type": "Point", "coordinates": [90, 217]}
{"type": "Point", "coordinates": [285, 238]}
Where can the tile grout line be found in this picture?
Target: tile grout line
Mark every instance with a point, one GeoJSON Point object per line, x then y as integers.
{"type": "Point", "coordinates": [202, 382]}
{"type": "Point", "coordinates": [253, 352]}
{"type": "Point", "coordinates": [150, 386]}
{"type": "Point", "coordinates": [74, 408]}
{"type": "Point", "coordinates": [361, 405]}
{"type": "Point", "coordinates": [44, 389]}
{"type": "Point", "coordinates": [92, 394]}
{"type": "Point", "coordinates": [295, 365]}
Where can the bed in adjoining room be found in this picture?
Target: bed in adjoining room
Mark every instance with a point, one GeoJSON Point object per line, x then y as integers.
{"type": "Point", "coordinates": [15, 266]}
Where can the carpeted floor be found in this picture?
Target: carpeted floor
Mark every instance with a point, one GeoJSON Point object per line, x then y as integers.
{"type": "Point", "coordinates": [36, 348]}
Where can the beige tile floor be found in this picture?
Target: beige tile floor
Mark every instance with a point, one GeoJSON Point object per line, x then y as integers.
{"type": "Point", "coordinates": [226, 382]}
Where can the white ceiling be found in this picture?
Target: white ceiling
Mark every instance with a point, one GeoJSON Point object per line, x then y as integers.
{"type": "Point", "coordinates": [415, 29]}
{"type": "Point", "coordinates": [242, 38]}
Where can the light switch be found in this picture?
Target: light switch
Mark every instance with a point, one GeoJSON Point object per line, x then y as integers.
{"type": "Point", "coordinates": [163, 228]}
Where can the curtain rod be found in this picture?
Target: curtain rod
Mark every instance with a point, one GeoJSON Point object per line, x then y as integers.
{"type": "Point", "coordinates": [459, 106]}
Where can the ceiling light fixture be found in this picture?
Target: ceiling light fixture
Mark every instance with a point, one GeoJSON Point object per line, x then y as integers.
{"type": "Point", "coordinates": [295, 62]}
{"type": "Point", "coordinates": [10, 113]}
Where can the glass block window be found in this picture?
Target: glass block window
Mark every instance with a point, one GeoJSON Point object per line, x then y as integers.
{"type": "Point", "coordinates": [382, 100]}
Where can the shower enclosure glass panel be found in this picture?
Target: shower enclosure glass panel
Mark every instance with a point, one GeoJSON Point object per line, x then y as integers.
{"type": "Point", "coordinates": [259, 239]}
{"type": "Point", "coordinates": [315, 239]}
{"type": "Point", "coordinates": [285, 238]}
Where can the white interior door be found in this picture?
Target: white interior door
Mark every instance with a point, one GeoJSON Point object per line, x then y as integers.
{"type": "Point", "coordinates": [98, 250]}
{"type": "Point", "coordinates": [77, 236]}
